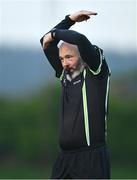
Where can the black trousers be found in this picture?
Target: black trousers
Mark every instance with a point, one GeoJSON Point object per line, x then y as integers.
{"type": "Point", "coordinates": [90, 163]}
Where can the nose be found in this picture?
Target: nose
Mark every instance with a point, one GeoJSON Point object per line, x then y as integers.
{"type": "Point", "coordinates": [65, 64]}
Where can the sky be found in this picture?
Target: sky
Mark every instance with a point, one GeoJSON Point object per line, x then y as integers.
{"type": "Point", "coordinates": [23, 22]}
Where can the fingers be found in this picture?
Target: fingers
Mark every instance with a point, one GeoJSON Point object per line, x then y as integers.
{"type": "Point", "coordinates": [93, 13]}
{"type": "Point", "coordinates": [87, 12]}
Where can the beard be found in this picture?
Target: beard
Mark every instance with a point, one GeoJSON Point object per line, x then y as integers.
{"type": "Point", "coordinates": [74, 72]}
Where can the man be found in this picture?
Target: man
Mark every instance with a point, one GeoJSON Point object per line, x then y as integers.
{"type": "Point", "coordinates": [84, 75]}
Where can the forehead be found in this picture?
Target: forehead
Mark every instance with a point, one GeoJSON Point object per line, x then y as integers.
{"type": "Point", "coordinates": [68, 48]}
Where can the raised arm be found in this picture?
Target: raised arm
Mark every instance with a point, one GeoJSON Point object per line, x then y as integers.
{"type": "Point", "coordinates": [66, 24]}
{"type": "Point", "coordinates": [50, 46]}
{"type": "Point", "coordinates": [88, 52]}
{"type": "Point", "coordinates": [49, 41]}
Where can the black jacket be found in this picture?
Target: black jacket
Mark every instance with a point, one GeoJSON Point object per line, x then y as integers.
{"type": "Point", "coordinates": [85, 99]}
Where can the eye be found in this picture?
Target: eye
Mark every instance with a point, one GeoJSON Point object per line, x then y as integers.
{"type": "Point", "coordinates": [68, 56]}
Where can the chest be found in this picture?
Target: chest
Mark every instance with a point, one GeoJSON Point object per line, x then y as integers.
{"type": "Point", "coordinates": [72, 89]}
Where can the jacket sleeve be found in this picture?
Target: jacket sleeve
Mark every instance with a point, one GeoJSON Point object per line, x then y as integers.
{"type": "Point", "coordinates": [89, 53]}
{"type": "Point", "coordinates": [51, 52]}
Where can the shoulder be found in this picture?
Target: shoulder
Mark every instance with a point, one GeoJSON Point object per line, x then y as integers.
{"type": "Point", "coordinates": [104, 69]}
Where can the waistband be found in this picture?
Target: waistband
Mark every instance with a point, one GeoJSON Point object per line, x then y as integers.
{"type": "Point", "coordinates": [86, 148]}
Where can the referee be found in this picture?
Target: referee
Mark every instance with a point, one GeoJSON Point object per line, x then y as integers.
{"type": "Point", "coordinates": [84, 75]}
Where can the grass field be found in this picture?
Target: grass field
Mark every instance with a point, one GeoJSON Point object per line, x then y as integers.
{"type": "Point", "coordinates": [31, 172]}
{"type": "Point", "coordinates": [124, 172]}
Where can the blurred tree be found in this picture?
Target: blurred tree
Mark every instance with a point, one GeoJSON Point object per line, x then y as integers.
{"type": "Point", "coordinates": [29, 127]}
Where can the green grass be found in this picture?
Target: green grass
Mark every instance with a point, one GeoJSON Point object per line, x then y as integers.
{"type": "Point", "coordinates": [24, 172]}
{"type": "Point", "coordinates": [33, 172]}
{"type": "Point", "coordinates": [124, 172]}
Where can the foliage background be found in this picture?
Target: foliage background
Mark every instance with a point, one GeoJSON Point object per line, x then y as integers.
{"type": "Point", "coordinates": [29, 132]}
{"type": "Point", "coordinates": [30, 94]}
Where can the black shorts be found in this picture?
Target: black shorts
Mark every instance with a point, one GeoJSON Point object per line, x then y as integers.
{"type": "Point", "coordinates": [90, 163]}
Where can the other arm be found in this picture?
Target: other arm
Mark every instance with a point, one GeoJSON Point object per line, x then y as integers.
{"type": "Point", "coordinates": [49, 43]}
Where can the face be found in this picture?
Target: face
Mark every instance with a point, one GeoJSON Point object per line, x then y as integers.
{"type": "Point", "coordinates": [69, 56]}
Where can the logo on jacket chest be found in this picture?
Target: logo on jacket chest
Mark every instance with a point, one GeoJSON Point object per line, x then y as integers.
{"type": "Point", "coordinates": [76, 82]}
{"type": "Point", "coordinates": [66, 82]}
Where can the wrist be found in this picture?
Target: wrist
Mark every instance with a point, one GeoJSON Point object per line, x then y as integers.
{"type": "Point", "coordinates": [46, 40]}
{"type": "Point", "coordinates": [48, 37]}
{"type": "Point", "coordinates": [69, 18]}
{"type": "Point", "coordinates": [53, 33]}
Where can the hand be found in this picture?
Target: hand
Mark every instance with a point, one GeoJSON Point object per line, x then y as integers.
{"type": "Point", "coordinates": [46, 40]}
{"type": "Point", "coordinates": [82, 16]}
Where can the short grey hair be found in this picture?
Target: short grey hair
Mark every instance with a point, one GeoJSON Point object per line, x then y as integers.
{"type": "Point", "coordinates": [60, 43]}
